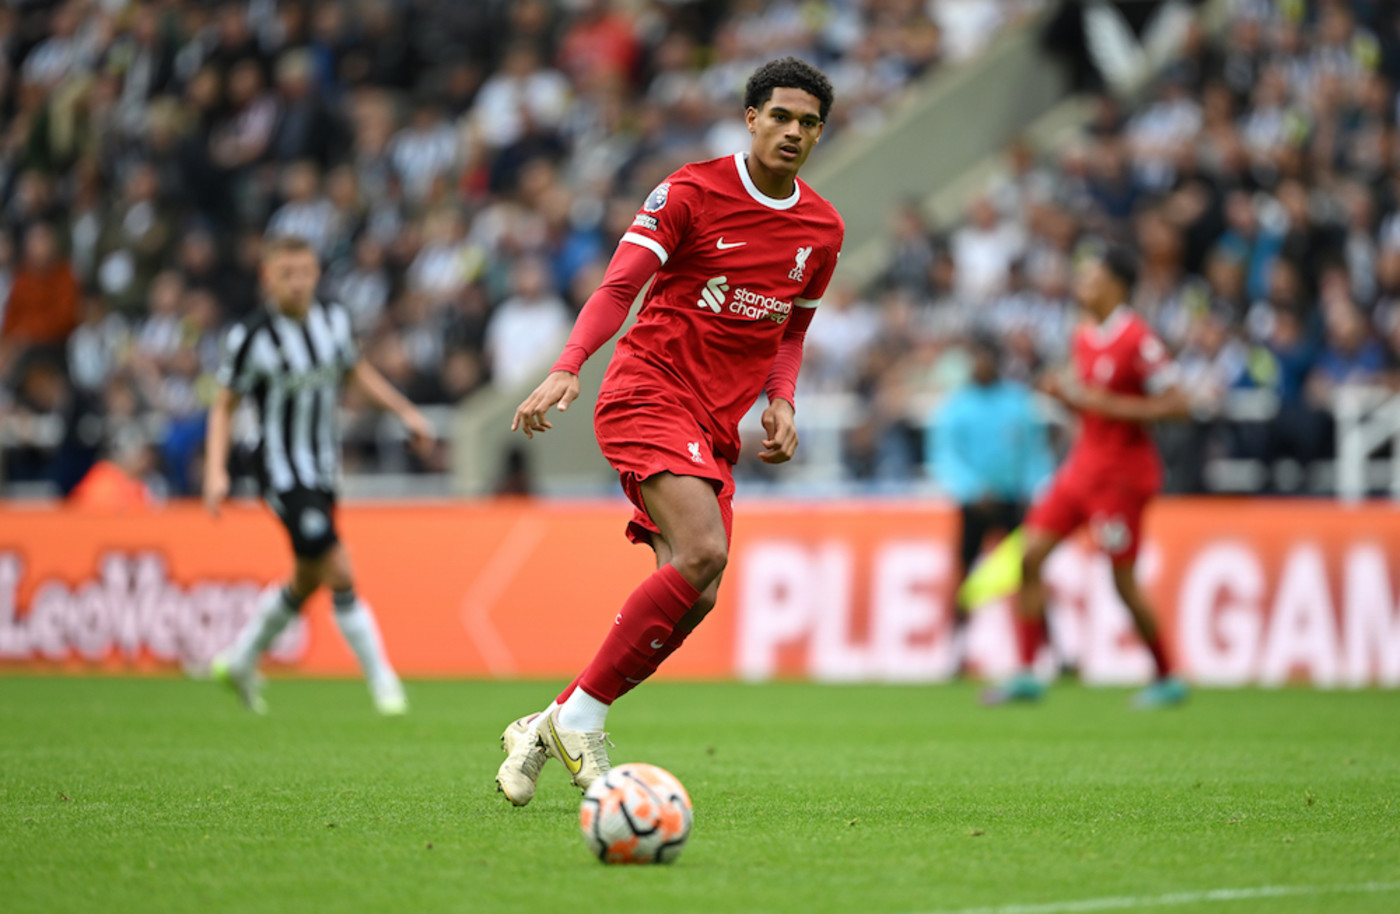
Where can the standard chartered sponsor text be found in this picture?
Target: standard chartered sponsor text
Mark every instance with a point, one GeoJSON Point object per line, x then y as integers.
{"type": "Point", "coordinates": [755, 305]}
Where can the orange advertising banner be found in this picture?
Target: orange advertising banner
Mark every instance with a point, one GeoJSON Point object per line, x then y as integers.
{"type": "Point", "coordinates": [1249, 591]}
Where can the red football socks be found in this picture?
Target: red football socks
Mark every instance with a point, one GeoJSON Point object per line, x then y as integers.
{"type": "Point", "coordinates": [1030, 635]}
{"type": "Point", "coordinates": [641, 637]}
{"type": "Point", "coordinates": [1159, 656]}
{"type": "Point", "coordinates": [672, 643]}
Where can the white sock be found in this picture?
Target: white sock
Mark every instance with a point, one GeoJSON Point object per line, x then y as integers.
{"type": "Point", "coordinates": [358, 628]}
{"type": "Point", "coordinates": [535, 724]}
{"type": "Point", "coordinates": [275, 613]}
{"type": "Point", "coordinates": [583, 712]}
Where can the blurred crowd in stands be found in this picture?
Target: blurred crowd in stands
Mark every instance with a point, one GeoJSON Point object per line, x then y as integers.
{"type": "Point", "coordinates": [1258, 178]}
{"type": "Point", "coordinates": [464, 168]}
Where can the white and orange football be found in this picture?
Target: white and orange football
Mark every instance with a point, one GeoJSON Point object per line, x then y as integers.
{"type": "Point", "coordinates": [636, 813]}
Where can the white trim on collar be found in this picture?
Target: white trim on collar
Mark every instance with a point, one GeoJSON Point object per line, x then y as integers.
{"type": "Point", "coordinates": [760, 196]}
{"type": "Point", "coordinates": [1113, 325]}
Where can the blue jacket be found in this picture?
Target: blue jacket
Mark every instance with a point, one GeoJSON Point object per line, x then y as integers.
{"type": "Point", "coordinates": [989, 441]}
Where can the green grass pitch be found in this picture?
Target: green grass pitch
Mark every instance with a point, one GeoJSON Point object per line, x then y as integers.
{"type": "Point", "coordinates": [162, 795]}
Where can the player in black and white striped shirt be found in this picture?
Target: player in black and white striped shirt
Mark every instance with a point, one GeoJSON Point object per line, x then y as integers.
{"type": "Point", "coordinates": [291, 357]}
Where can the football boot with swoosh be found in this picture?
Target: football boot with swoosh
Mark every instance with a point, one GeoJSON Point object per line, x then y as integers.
{"type": "Point", "coordinates": [583, 753]}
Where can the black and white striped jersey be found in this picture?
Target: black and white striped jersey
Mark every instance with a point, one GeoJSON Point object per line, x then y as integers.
{"type": "Point", "coordinates": [292, 371]}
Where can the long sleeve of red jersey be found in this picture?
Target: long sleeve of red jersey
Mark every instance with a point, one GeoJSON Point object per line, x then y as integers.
{"type": "Point", "coordinates": [606, 309]}
{"type": "Point", "coordinates": [782, 377]}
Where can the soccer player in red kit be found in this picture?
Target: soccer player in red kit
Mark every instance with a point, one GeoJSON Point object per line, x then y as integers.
{"type": "Point", "coordinates": [1123, 379]}
{"type": "Point", "coordinates": [742, 251]}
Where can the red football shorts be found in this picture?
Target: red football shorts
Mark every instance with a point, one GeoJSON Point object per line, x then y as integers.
{"type": "Point", "coordinates": [1112, 508]}
{"type": "Point", "coordinates": [646, 432]}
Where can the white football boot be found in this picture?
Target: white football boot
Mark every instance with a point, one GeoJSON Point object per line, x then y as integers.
{"type": "Point", "coordinates": [583, 753]}
{"type": "Point", "coordinates": [525, 756]}
{"type": "Point", "coordinates": [388, 696]}
{"type": "Point", "coordinates": [246, 683]}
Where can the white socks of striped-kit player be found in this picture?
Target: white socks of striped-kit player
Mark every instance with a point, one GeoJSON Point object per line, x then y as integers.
{"type": "Point", "coordinates": [279, 608]}
{"type": "Point", "coordinates": [360, 631]}
{"type": "Point", "coordinates": [275, 612]}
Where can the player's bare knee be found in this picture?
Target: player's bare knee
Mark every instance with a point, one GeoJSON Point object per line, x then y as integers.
{"type": "Point", "coordinates": [702, 563]}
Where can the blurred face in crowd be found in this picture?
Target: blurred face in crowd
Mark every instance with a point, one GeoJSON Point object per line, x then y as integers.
{"type": "Point", "coordinates": [40, 248]}
{"type": "Point", "coordinates": [244, 84]}
{"type": "Point", "coordinates": [289, 278]}
{"type": "Point", "coordinates": [785, 130]}
{"type": "Point", "coordinates": [1346, 328]}
{"type": "Point", "coordinates": [983, 214]}
{"type": "Point", "coordinates": [531, 281]}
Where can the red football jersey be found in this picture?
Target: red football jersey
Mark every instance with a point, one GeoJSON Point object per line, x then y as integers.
{"type": "Point", "coordinates": [1123, 356]}
{"type": "Point", "coordinates": [734, 263]}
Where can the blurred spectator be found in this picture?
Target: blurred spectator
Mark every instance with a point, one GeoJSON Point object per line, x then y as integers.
{"type": "Point", "coordinates": [599, 46]}
{"type": "Point", "coordinates": [1349, 355]}
{"type": "Point", "coordinates": [428, 152]}
{"type": "Point", "coordinates": [424, 151]}
{"type": "Point", "coordinates": [364, 288]}
{"type": "Point", "coordinates": [983, 251]}
{"type": "Point", "coordinates": [306, 213]}
{"type": "Point", "coordinates": [97, 346]}
{"type": "Point", "coordinates": [239, 140]}
{"type": "Point", "coordinates": [136, 241]}
{"type": "Point", "coordinates": [118, 483]}
{"type": "Point", "coordinates": [42, 309]}
{"type": "Point", "coordinates": [967, 25]}
{"type": "Point", "coordinates": [836, 342]}
{"type": "Point", "coordinates": [306, 127]}
{"type": "Point", "coordinates": [533, 314]}
{"type": "Point", "coordinates": [911, 259]}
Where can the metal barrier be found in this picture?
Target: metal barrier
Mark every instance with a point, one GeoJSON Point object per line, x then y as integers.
{"type": "Point", "coordinates": [1368, 419]}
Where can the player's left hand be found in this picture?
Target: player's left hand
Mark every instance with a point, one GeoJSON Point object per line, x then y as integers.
{"type": "Point", "coordinates": [781, 427]}
{"type": "Point", "coordinates": [1050, 385]}
{"type": "Point", "coordinates": [1054, 387]}
{"type": "Point", "coordinates": [422, 435]}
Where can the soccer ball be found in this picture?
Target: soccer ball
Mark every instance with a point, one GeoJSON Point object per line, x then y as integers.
{"type": "Point", "coordinates": [636, 813]}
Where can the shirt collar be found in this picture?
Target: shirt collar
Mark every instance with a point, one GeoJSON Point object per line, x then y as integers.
{"type": "Point", "coordinates": [1113, 325]}
{"type": "Point", "coordinates": [771, 202]}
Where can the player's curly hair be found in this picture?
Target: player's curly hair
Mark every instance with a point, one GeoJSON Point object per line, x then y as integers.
{"type": "Point", "coordinates": [788, 73]}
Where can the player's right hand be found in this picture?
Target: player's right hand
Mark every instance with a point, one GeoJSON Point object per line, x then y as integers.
{"type": "Point", "coordinates": [560, 389]}
{"type": "Point", "coordinates": [215, 489]}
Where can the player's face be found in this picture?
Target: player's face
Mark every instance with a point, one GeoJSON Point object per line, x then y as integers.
{"type": "Point", "coordinates": [290, 278]}
{"type": "Point", "coordinates": [785, 129]}
{"type": "Point", "coordinates": [1095, 288]}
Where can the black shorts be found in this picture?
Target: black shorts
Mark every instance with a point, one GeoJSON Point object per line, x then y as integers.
{"type": "Point", "coordinates": [309, 516]}
{"type": "Point", "coordinates": [981, 519]}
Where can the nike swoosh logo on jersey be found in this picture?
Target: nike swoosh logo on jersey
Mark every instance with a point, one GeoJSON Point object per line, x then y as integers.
{"type": "Point", "coordinates": [733, 244]}
{"type": "Point", "coordinates": [573, 764]}
{"type": "Point", "coordinates": [657, 645]}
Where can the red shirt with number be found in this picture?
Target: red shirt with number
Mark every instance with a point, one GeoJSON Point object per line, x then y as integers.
{"type": "Point", "coordinates": [1112, 469]}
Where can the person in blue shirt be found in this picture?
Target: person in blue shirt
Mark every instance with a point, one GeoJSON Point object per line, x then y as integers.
{"type": "Point", "coordinates": [989, 450]}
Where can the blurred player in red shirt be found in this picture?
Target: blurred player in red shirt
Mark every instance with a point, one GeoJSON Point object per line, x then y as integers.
{"type": "Point", "coordinates": [742, 251]}
{"type": "Point", "coordinates": [1123, 379]}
